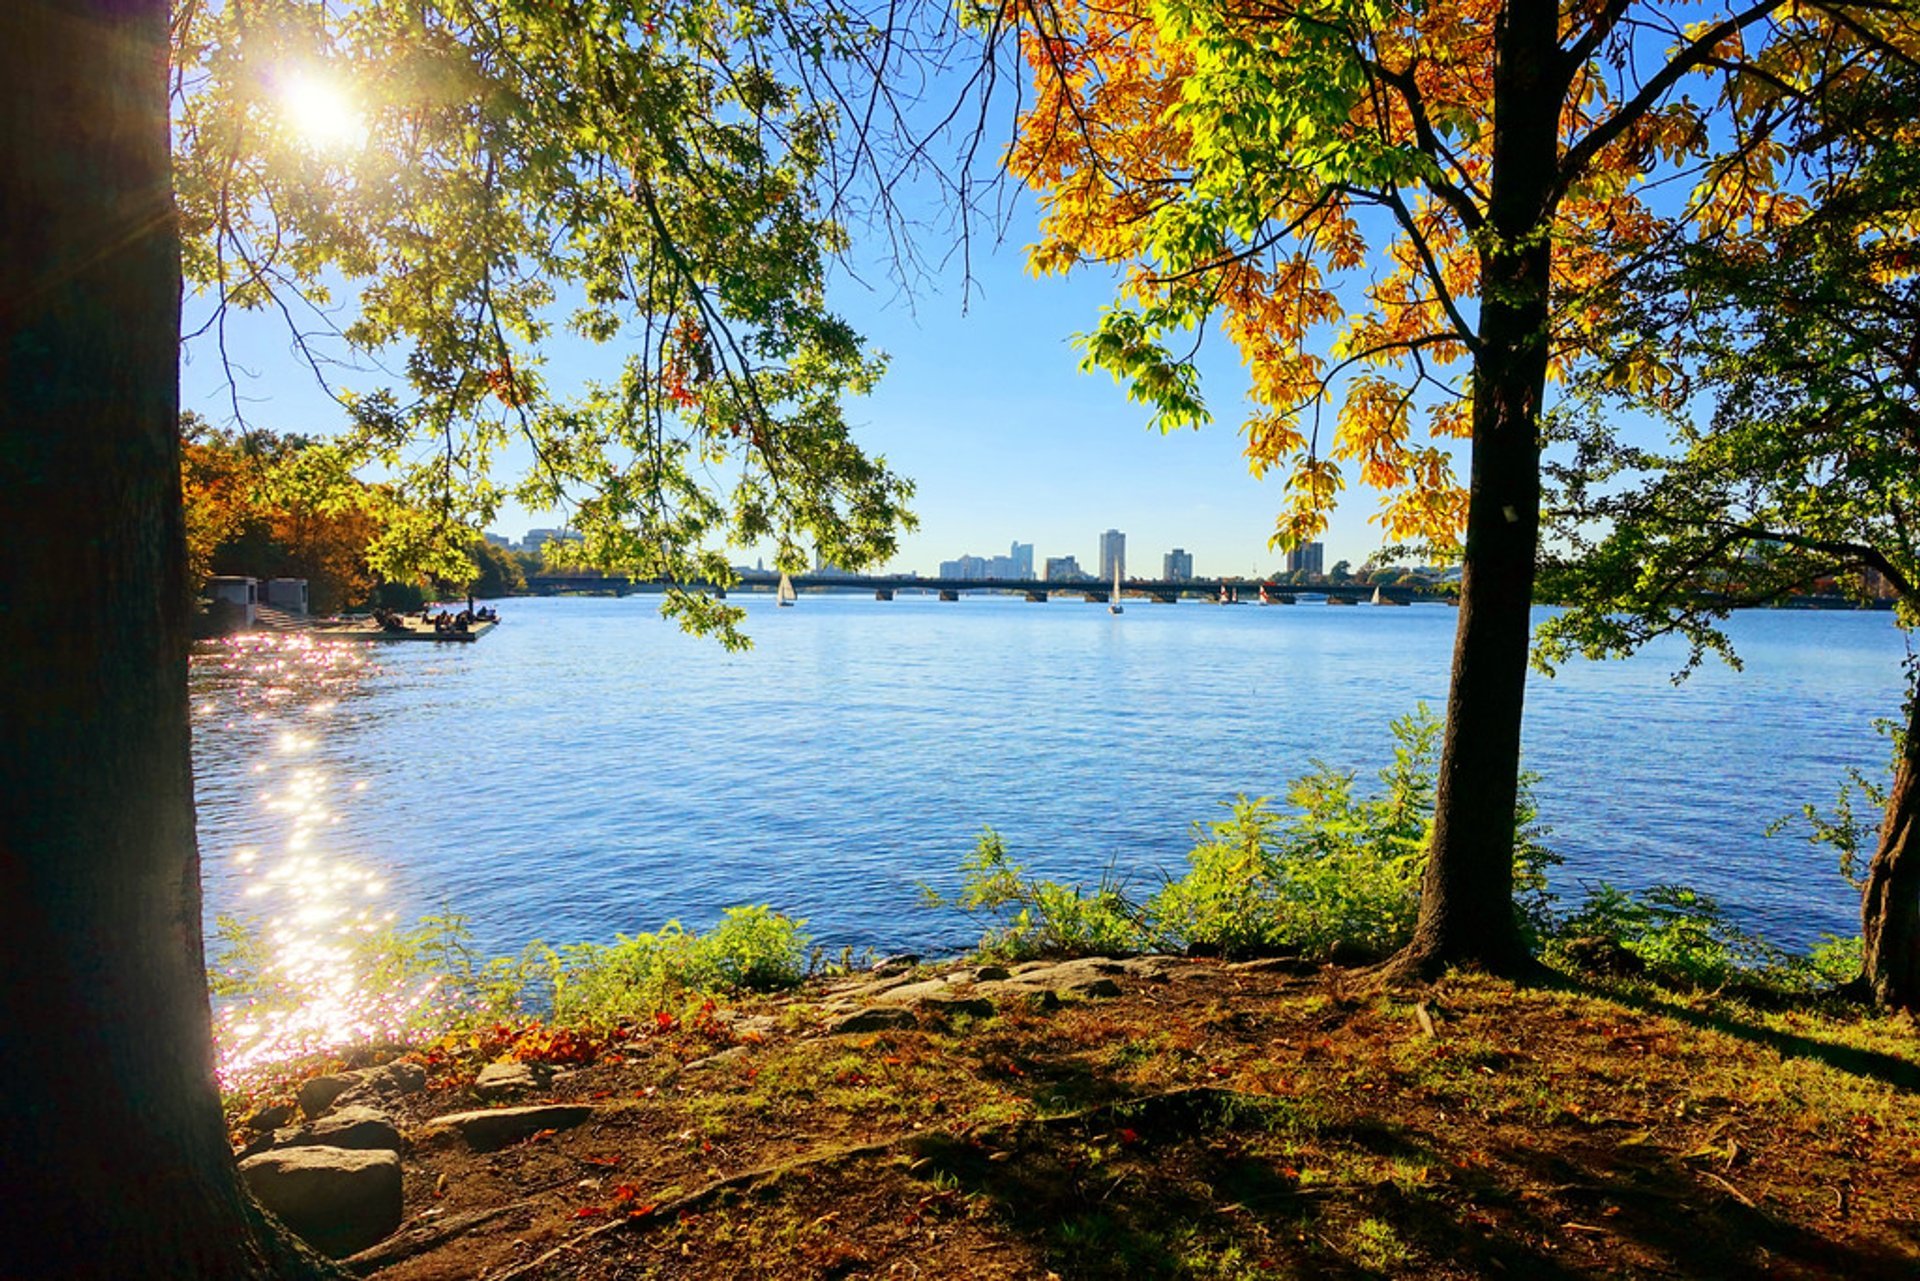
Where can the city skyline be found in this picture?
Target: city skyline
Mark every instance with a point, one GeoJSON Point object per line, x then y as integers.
{"type": "Point", "coordinates": [1033, 443]}
{"type": "Point", "coordinates": [1019, 563]}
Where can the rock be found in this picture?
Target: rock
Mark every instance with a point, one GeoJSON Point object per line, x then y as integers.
{"type": "Point", "coordinates": [876, 1018]}
{"type": "Point", "coordinates": [338, 1201]}
{"type": "Point", "coordinates": [491, 1128]}
{"type": "Point", "coordinates": [1090, 976]}
{"type": "Point", "coordinates": [979, 974]}
{"type": "Point", "coordinates": [268, 1118]}
{"type": "Point", "coordinates": [756, 1025]}
{"type": "Point", "coordinates": [896, 964]}
{"type": "Point", "coordinates": [388, 1081]}
{"type": "Point", "coordinates": [1347, 953]}
{"type": "Point", "coordinates": [318, 1094]}
{"type": "Point", "coordinates": [733, 1055]}
{"type": "Point", "coordinates": [395, 1078]}
{"type": "Point", "coordinates": [974, 1007]}
{"type": "Point", "coordinates": [1156, 968]}
{"type": "Point", "coordinates": [914, 993]}
{"type": "Point", "coordinates": [1598, 954]}
{"type": "Point", "coordinates": [879, 987]}
{"type": "Point", "coordinates": [510, 1077]}
{"type": "Point", "coordinates": [358, 1128]}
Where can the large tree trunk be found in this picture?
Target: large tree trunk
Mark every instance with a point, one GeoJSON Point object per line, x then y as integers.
{"type": "Point", "coordinates": [1466, 899]}
{"type": "Point", "coordinates": [113, 1158]}
{"type": "Point", "coordinates": [1890, 907]}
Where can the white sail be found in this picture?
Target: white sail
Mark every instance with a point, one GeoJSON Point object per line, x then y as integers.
{"type": "Point", "coordinates": [1114, 607]}
{"type": "Point", "coordinates": [786, 593]}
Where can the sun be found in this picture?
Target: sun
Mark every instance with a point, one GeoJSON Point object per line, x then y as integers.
{"type": "Point", "coordinates": [322, 113]}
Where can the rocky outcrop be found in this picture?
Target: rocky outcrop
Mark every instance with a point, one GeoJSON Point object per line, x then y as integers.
{"type": "Point", "coordinates": [338, 1200]}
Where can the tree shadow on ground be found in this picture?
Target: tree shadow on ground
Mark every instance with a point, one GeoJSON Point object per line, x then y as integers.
{"type": "Point", "coordinates": [1876, 1065]}
{"type": "Point", "coordinates": [1203, 1180]}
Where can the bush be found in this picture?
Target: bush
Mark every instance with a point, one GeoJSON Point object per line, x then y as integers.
{"type": "Point", "coordinates": [402, 984]}
{"type": "Point", "coordinates": [1040, 918]}
{"type": "Point", "coordinates": [1342, 871]}
{"type": "Point", "coordinates": [1683, 935]}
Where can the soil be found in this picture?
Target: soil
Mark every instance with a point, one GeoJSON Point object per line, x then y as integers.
{"type": "Point", "coordinates": [1212, 1121]}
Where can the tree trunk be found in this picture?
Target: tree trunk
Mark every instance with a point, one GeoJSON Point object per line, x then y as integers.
{"type": "Point", "coordinates": [1466, 898]}
{"type": "Point", "coordinates": [1890, 907]}
{"type": "Point", "coordinates": [113, 1157]}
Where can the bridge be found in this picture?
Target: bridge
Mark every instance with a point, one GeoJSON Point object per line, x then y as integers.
{"type": "Point", "coordinates": [885, 586]}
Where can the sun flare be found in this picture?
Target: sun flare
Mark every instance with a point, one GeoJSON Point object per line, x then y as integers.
{"type": "Point", "coordinates": [322, 113]}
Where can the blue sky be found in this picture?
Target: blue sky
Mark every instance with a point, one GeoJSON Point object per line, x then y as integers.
{"type": "Point", "coordinates": [983, 405]}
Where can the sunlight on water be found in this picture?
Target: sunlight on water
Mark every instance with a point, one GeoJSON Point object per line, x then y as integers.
{"type": "Point", "coordinates": [310, 905]}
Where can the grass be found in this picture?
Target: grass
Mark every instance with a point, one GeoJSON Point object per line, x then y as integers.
{"type": "Point", "coordinates": [1224, 1123]}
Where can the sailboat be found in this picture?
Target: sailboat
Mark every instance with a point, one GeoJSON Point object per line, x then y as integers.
{"type": "Point", "coordinates": [786, 593]}
{"type": "Point", "coordinates": [1114, 606]}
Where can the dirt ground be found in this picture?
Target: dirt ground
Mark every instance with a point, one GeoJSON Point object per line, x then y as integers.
{"type": "Point", "coordinates": [1211, 1121]}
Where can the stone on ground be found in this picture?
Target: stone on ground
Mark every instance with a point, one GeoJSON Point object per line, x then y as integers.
{"type": "Point", "coordinates": [362, 1129]}
{"type": "Point", "coordinates": [511, 1077]}
{"type": "Point", "coordinates": [876, 1018]}
{"type": "Point", "coordinates": [337, 1200]}
{"type": "Point", "coordinates": [491, 1128]}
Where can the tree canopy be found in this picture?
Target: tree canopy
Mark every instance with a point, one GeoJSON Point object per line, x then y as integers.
{"type": "Point", "coordinates": [440, 189]}
{"type": "Point", "coordinates": [1318, 180]}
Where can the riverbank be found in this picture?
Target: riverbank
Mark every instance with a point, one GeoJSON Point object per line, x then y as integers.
{"type": "Point", "coordinates": [1150, 1117]}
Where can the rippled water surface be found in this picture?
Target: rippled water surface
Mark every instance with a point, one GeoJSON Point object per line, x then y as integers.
{"type": "Point", "coordinates": [586, 769]}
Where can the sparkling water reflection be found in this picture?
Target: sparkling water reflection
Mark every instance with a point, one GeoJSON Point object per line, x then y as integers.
{"type": "Point", "coordinates": [587, 769]}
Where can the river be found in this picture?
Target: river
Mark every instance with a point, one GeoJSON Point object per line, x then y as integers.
{"type": "Point", "coordinates": [587, 769]}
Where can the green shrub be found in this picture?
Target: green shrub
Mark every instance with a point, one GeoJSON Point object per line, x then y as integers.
{"type": "Point", "coordinates": [425, 980]}
{"type": "Point", "coordinates": [1037, 917]}
{"type": "Point", "coordinates": [1341, 870]}
{"type": "Point", "coordinates": [1683, 935]}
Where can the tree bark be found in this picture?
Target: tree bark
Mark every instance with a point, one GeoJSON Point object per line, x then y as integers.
{"type": "Point", "coordinates": [1466, 897]}
{"type": "Point", "coordinates": [1890, 905]}
{"type": "Point", "coordinates": [113, 1156]}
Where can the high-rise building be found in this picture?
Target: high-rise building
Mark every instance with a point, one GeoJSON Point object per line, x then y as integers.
{"type": "Point", "coordinates": [966, 567]}
{"type": "Point", "coordinates": [1310, 557]}
{"type": "Point", "coordinates": [1022, 557]}
{"type": "Point", "coordinates": [1177, 566]}
{"type": "Point", "coordinates": [1113, 555]}
{"type": "Point", "coordinates": [1064, 569]}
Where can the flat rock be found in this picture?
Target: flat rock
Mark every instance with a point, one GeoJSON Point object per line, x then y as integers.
{"type": "Point", "coordinates": [1156, 967]}
{"type": "Point", "coordinates": [268, 1118]}
{"type": "Point", "coordinates": [914, 993]}
{"type": "Point", "coordinates": [977, 1007]}
{"type": "Point", "coordinates": [510, 1078]}
{"type": "Point", "coordinates": [1090, 976]}
{"type": "Point", "coordinates": [876, 1018]}
{"type": "Point", "coordinates": [337, 1200]}
{"type": "Point", "coordinates": [318, 1094]}
{"type": "Point", "coordinates": [491, 1128]}
{"type": "Point", "coordinates": [878, 987]}
{"type": "Point", "coordinates": [355, 1127]}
